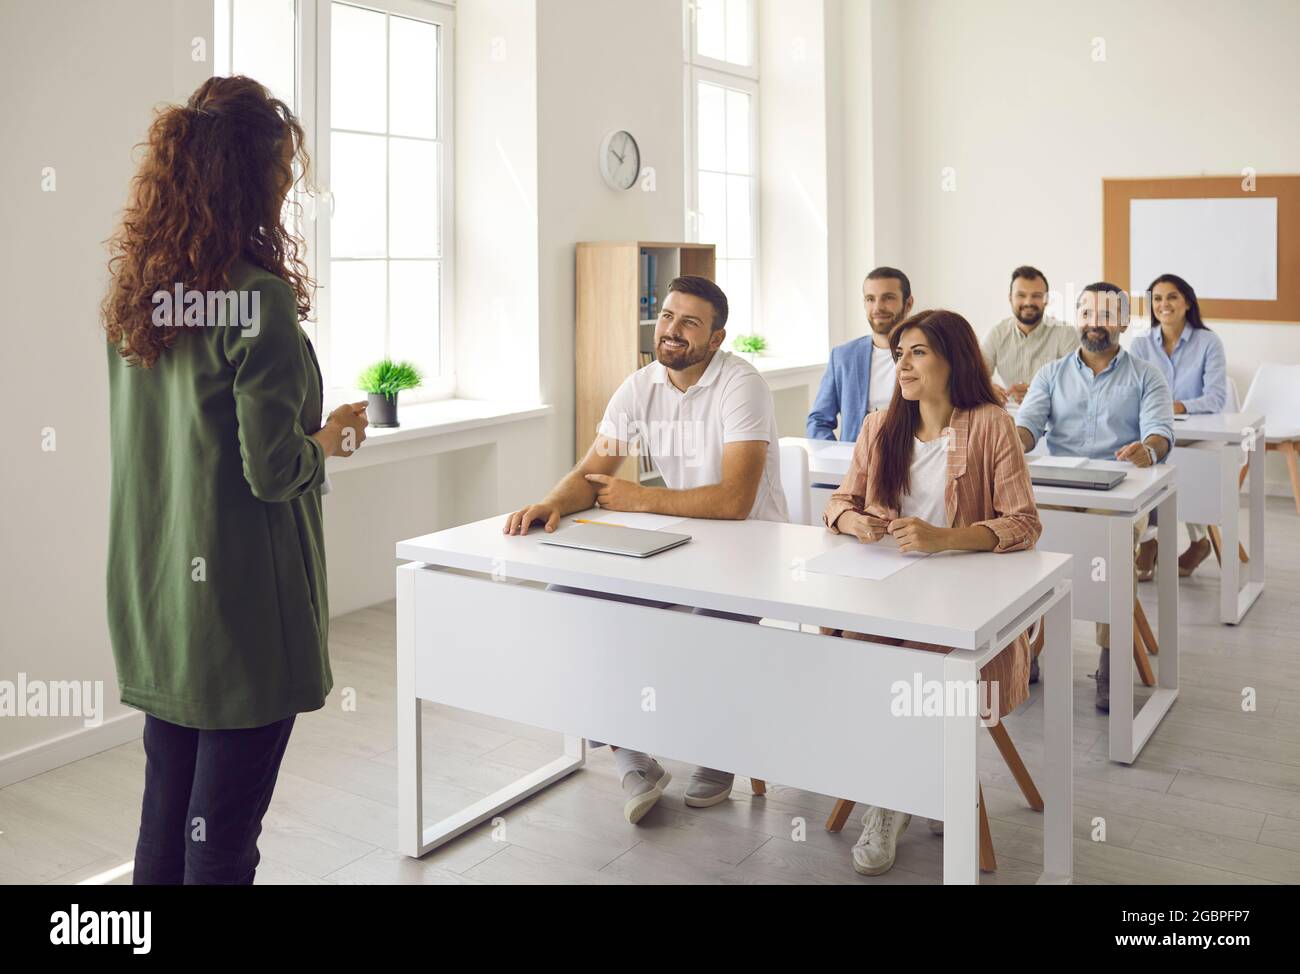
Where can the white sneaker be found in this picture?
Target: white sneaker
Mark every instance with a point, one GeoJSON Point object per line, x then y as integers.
{"type": "Point", "coordinates": [875, 850]}
{"type": "Point", "coordinates": [643, 789]}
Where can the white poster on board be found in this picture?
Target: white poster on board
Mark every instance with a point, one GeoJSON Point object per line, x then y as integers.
{"type": "Point", "coordinates": [1224, 248]}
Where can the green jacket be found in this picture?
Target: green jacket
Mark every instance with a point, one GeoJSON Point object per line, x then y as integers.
{"type": "Point", "coordinates": [213, 460]}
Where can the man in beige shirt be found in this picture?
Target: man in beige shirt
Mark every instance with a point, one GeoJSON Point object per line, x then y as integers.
{"type": "Point", "coordinates": [1019, 346]}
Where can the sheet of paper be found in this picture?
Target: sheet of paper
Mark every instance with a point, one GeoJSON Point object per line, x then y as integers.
{"type": "Point", "coordinates": [869, 561]}
{"type": "Point", "coordinates": [1059, 461]}
{"type": "Point", "coordinates": [630, 519]}
{"type": "Point", "coordinates": [835, 451]}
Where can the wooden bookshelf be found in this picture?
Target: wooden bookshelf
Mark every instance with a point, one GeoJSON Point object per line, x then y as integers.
{"type": "Point", "coordinates": [609, 332]}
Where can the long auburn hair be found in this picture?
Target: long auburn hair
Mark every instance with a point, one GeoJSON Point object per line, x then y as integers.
{"type": "Point", "coordinates": [1185, 289]}
{"type": "Point", "coordinates": [952, 339]}
{"type": "Point", "coordinates": [208, 191]}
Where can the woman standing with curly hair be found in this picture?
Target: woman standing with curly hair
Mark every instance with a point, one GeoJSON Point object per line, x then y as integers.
{"type": "Point", "coordinates": [217, 603]}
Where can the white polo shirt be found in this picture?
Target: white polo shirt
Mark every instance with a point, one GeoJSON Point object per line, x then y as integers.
{"type": "Point", "coordinates": [685, 432]}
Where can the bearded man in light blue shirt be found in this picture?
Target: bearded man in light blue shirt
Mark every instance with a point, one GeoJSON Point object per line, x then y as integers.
{"type": "Point", "coordinates": [1103, 403]}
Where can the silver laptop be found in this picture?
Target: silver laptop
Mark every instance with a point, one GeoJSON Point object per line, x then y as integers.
{"type": "Point", "coordinates": [615, 539]}
{"type": "Point", "coordinates": [1080, 478]}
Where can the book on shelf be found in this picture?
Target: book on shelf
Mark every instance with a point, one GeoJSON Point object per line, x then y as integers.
{"type": "Point", "coordinates": [649, 293]}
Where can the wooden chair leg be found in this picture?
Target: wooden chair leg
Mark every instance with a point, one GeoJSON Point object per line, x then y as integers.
{"type": "Point", "coordinates": [988, 862]}
{"type": "Point", "coordinates": [1011, 756]}
{"type": "Point", "coordinates": [1289, 448]}
{"type": "Point", "coordinates": [1241, 553]}
{"type": "Point", "coordinates": [1241, 477]}
{"type": "Point", "coordinates": [839, 815]}
{"type": "Point", "coordinates": [1142, 661]}
{"type": "Point", "coordinates": [1216, 542]}
{"type": "Point", "coordinates": [1141, 624]}
{"type": "Point", "coordinates": [758, 786]}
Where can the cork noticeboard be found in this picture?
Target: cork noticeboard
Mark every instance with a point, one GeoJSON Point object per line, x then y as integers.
{"type": "Point", "coordinates": [1118, 195]}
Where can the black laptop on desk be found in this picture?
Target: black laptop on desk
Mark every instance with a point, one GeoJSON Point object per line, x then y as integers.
{"type": "Point", "coordinates": [1080, 478]}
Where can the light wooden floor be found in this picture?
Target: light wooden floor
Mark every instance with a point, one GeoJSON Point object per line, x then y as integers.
{"type": "Point", "coordinates": [1214, 797]}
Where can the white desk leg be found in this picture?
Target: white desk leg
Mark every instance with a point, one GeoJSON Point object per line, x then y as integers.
{"type": "Point", "coordinates": [1255, 570]}
{"type": "Point", "coordinates": [1229, 507]}
{"type": "Point", "coordinates": [1119, 570]}
{"type": "Point", "coordinates": [410, 793]}
{"type": "Point", "coordinates": [413, 839]}
{"type": "Point", "coordinates": [1167, 593]}
{"type": "Point", "coordinates": [1058, 755]}
{"type": "Point", "coordinates": [960, 781]}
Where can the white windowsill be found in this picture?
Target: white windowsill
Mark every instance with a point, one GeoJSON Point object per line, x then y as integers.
{"type": "Point", "coordinates": [788, 373]}
{"type": "Point", "coordinates": [429, 421]}
{"type": "Point", "coordinates": [776, 365]}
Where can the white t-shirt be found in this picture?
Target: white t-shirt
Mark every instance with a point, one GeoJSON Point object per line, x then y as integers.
{"type": "Point", "coordinates": [883, 378]}
{"type": "Point", "coordinates": [928, 479]}
{"type": "Point", "coordinates": [685, 431]}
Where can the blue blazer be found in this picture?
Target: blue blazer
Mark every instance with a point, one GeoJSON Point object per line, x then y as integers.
{"type": "Point", "coordinates": [843, 394]}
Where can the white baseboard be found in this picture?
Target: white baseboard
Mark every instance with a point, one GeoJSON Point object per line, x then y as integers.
{"type": "Point", "coordinates": [1276, 488]}
{"type": "Point", "coordinates": [48, 755]}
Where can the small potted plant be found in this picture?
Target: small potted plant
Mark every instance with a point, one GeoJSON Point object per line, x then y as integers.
{"type": "Point", "coordinates": [751, 346]}
{"type": "Point", "coordinates": [382, 382]}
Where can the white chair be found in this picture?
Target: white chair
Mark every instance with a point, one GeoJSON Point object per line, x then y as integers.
{"type": "Point", "coordinates": [1275, 392]}
{"type": "Point", "coordinates": [795, 483]}
{"type": "Point", "coordinates": [1233, 405]}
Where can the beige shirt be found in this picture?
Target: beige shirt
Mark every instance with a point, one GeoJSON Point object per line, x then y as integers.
{"type": "Point", "coordinates": [1015, 356]}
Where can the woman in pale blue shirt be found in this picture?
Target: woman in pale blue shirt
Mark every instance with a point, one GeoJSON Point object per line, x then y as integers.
{"type": "Point", "coordinates": [1191, 358]}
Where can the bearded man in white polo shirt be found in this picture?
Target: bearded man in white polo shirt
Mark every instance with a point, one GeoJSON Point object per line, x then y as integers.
{"type": "Point", "coordinates": [707, 419]}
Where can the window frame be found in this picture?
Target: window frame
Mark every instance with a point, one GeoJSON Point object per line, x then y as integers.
{"type": "Point", "coordinates": [749, 71]}
{"type": "Point", "coordinates": [697, 70]}
{"type": "Point", "coordinates": [312, 35]}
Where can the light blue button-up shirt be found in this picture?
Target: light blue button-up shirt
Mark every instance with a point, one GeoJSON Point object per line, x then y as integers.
{"type": "Point", "coordinates": [1086, 415]}
{"type": "Point", "coordinates": [1197, 372]}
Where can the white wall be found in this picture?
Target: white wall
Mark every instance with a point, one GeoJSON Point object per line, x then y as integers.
{"type": "Point", "coordinates": [497, 347]}
{"type": "Point", "coordinates": [602, 65]}
{"type": "Point", "coordinates": [1008, 94]}
{"type": "Point", "coordinates": [59, 110]}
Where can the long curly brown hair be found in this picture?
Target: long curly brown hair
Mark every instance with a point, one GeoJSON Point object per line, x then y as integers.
{"type": "Point", "coordinates": [210, 189]}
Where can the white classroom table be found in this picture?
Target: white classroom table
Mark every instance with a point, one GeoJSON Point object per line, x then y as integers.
{"type": "Point", "coordinates": [1210, 451]}
{"type": "Point", "coordinates": [1088, 537]}
{"type": "Point", "coordinates": [476, 630]}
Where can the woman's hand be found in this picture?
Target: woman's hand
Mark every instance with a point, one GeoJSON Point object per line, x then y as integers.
{"type": "Point", "coordinates": [344, 431]}
{"type": "Point", "coordinates": [914, 534]}
{"type": "Point", "coordinates": [864, 527]}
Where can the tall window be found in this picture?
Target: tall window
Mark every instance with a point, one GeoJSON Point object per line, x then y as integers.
{"type": "Point", "coordinates": [371, 83]}
{"type": "Point", "coordinates": [722, 81]}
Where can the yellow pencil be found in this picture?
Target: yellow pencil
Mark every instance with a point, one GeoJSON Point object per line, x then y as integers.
{"type": "Point", "coordinates": [583, 520]}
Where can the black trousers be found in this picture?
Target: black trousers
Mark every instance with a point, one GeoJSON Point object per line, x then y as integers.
{"type": "Point", "coordinates": [205, 792]}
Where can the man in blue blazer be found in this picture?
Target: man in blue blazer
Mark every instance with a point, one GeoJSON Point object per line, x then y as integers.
{"type": "Point", "coordinates": [860, 376]}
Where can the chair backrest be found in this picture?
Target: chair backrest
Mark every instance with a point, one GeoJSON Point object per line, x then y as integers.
{"type": "Point", "coordinates": [1275, 392]}
{"type": "Point", "coordinates": [795, 482]}
{"type": "Point", "coordinates": [1233, 404]}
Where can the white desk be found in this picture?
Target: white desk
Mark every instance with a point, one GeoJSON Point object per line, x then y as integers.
{"type": "Point", "coordinates": [1088, 537]}
{"type": "Point", "coordinates": [772, 703]}
{"type": "Point", "coordinates": [1104, 584]}
{"type": "Point", "coordinates": [1210, 450]}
